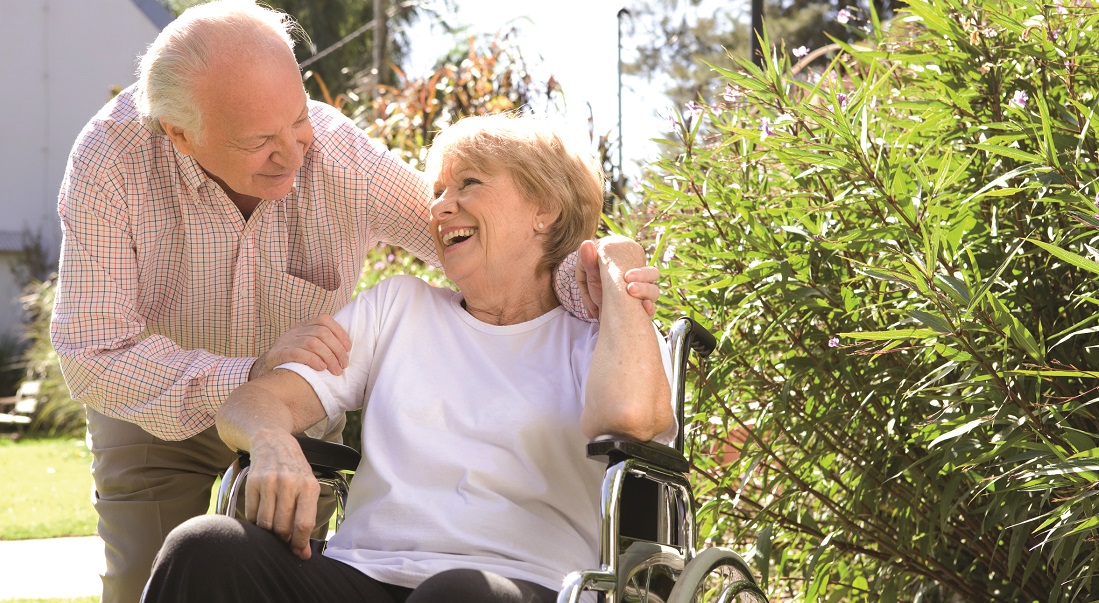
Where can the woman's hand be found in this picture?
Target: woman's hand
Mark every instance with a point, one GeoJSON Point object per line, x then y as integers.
{"type": "Point", "coordinates": [281, 491]}
{"type": "Point", "coordinates": [640, 281]}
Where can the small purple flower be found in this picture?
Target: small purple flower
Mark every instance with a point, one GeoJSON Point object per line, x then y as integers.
{"type": "Point", "coordinates": [844, 16]}
{"type": "Point", "coordinates": [842, 98]}
{"type": "Point", "coordinates": [834, 342]}
{"type": "Point", "coordinates": [765, 129]}
{"type": "Point", "coordinates": [731, 94]}
{"type": "Point", "coordinates": [800, 51]}
{"type": "Point", "coordinates": [673, 123]}
{"type": "Point", "coordinates": [1019, 99]}
{"type": "Point", "coordinates": [1096, 202]}
{"type": "Point", "coordinates": [390, 258]}
{"type": "Point", "coordinates": [693, 110]}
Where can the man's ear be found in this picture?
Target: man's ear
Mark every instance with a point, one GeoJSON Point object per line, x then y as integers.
{"type": "Point", "coordinates": [183, 141]}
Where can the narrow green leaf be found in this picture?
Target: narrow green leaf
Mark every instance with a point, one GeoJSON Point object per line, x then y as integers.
{"type": "Point", "coordinates": [956, 288]}
{"type": "Point", "coordinates": [957, 431]}
{"type": "Point", "coordinates": [1068, 256]}
{"type": "Point", "coordinates": [1052, 373]}
{"type": "Point", "coordinates": [938, 323]}
{"type": "Point", "coordinates": [889, 335]}
{"type": "Point", "coordinates": [1050, 145]}
{"type": "Point", "coordinates": [1011, 152]}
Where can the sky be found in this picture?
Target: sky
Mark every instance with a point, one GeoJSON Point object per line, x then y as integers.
{"type": "Point", "coordinates": [577, 41]}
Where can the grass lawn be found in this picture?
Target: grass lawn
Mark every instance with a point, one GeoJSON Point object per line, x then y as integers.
{"type": "Point", "coordinates": [74, 600]}
{"type": "Point", "coordinates": [46, 489]}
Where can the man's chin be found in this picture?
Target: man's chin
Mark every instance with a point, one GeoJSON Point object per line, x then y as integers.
{"type": "Point", "coordinates": [276, 190]}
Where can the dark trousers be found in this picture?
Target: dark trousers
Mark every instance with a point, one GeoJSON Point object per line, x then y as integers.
{"type": "Point", "coordinates": [213, 559]}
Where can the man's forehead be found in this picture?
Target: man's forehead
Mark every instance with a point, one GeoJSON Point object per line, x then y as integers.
{"type": "Point", "coordinates": [248, 122]}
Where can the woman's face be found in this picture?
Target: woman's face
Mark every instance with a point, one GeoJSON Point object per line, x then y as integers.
{"type": "Point", "coordinates": [483, 227]}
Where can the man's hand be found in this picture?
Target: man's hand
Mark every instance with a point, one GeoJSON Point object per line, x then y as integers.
{"type": "Point", "coordinates": [281, 491]}
{"type": "Point", "coordinates": [321, 344]}
{"type": "Point", "coordinates": [640, 281]}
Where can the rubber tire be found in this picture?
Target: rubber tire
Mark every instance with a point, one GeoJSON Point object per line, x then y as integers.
{"type": "Point", "coordinates": [703, 564]}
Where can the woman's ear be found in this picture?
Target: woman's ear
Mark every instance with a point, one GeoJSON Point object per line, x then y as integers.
{"type": "Point", "coordinates": [545, 218]}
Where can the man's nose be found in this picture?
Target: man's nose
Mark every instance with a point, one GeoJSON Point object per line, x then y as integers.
{"type": "Point", "coordinates": [290, 151]}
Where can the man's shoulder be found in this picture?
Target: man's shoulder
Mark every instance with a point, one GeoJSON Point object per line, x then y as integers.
{"type": "Point", "coordinates": [337, 139]}
{"type": "Point", "coordinates": [113, 133]}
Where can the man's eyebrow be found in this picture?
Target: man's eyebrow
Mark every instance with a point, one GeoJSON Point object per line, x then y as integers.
{"type": "Point", "coordinates": [250, 138]}
{"type": "Point", "coordinates": [258, 136]}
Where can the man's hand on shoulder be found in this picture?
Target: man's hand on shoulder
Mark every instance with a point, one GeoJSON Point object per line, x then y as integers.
{"type": "Point", "coordinates": [320, 343]}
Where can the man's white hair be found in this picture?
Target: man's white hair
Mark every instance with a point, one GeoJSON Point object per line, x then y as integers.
{"type": "Point", "coordinates": [183, 53]}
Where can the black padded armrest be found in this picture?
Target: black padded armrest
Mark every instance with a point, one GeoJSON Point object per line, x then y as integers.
{"type": "Point", "coordinates": [328, 455]}
{"type": "Point", "coordinates": [614, 450]}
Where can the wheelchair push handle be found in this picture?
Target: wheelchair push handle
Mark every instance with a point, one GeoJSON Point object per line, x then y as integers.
{"type": "Point", "coordinates": [694, 336]}
{"type": "Point", "coordinates": [685, 335]}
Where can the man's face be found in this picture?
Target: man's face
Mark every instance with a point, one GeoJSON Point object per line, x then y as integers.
{"type": "Point", "coordinates": [256, 128]}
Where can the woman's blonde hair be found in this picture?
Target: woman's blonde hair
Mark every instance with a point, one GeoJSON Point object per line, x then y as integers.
{"type": "Point", "coordinates": [552, 174]}
{"type": "Point", "coordinates": [184, 52]}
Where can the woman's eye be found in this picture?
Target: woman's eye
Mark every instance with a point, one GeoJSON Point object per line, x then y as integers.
{"type": "Point", "coordinates": [470, 181]}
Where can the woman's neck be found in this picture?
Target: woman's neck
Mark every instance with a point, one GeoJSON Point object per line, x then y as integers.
{"type": "Point", "coordinates": [517, 303]}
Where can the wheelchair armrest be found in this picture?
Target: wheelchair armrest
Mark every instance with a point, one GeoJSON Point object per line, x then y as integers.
{"type": "Point", "coordinates": [324, 456]}
{"type": "Point", "coordinates": [328, 455]}
{"type": "Point", "coordinates": [614, 450]}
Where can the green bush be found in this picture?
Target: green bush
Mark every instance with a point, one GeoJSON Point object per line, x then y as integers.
{"type": "Point", "coordinates": [58, 415]}
{"type": "Point", "coordinates": [898, 254]}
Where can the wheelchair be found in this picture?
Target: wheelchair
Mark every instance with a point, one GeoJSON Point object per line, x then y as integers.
{"type": "Point", "coordinates": [647, 542]}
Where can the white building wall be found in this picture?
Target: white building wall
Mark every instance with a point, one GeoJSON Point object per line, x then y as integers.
{"type": "Point", "coordinates": [61, 58]}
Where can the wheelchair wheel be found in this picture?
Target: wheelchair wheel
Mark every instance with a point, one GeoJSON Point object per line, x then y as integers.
{"type": "Point", "coordinates": [716, 575]}
{"type": "Point", "coordinates": [648, 573]}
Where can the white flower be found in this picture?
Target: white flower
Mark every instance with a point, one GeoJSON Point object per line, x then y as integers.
{"type": "Point", "coordinates": [844, 16]}
{"type": "Point", "coordinates": [800, 51]}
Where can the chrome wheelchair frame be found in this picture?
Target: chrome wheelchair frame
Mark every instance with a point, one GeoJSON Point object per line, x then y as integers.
{"type": "Point", "coordinates": [647, 549]}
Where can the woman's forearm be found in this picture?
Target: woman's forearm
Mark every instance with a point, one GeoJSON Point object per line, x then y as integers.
{"type": "Point", "coordinates": [627, 392]}
{"type": "Point", "coordinates": [280, 401]}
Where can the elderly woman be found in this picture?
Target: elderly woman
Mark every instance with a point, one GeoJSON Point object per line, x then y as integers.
{"type": "Point", "coordinates": [474, 485]}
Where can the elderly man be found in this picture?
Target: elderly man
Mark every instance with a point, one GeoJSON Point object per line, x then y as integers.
{"type": "Point", "coordinates": [213, 218]}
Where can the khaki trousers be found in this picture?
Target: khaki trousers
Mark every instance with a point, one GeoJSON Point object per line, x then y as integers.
{"type": "Point", "coordinates": [145, 487]}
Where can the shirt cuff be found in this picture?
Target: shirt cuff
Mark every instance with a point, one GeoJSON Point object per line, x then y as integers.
{"type": "Point", "coordinates": [231, 374]}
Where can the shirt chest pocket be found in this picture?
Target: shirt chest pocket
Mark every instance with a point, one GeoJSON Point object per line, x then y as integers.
{"type": "Point", "coordinates": [298, 276]}
{"type": "Point", "coordinates": [285, 300]}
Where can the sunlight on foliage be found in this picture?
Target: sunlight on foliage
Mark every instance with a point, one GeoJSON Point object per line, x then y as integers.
{"type": "Point", "coordinates": [897, 250]}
